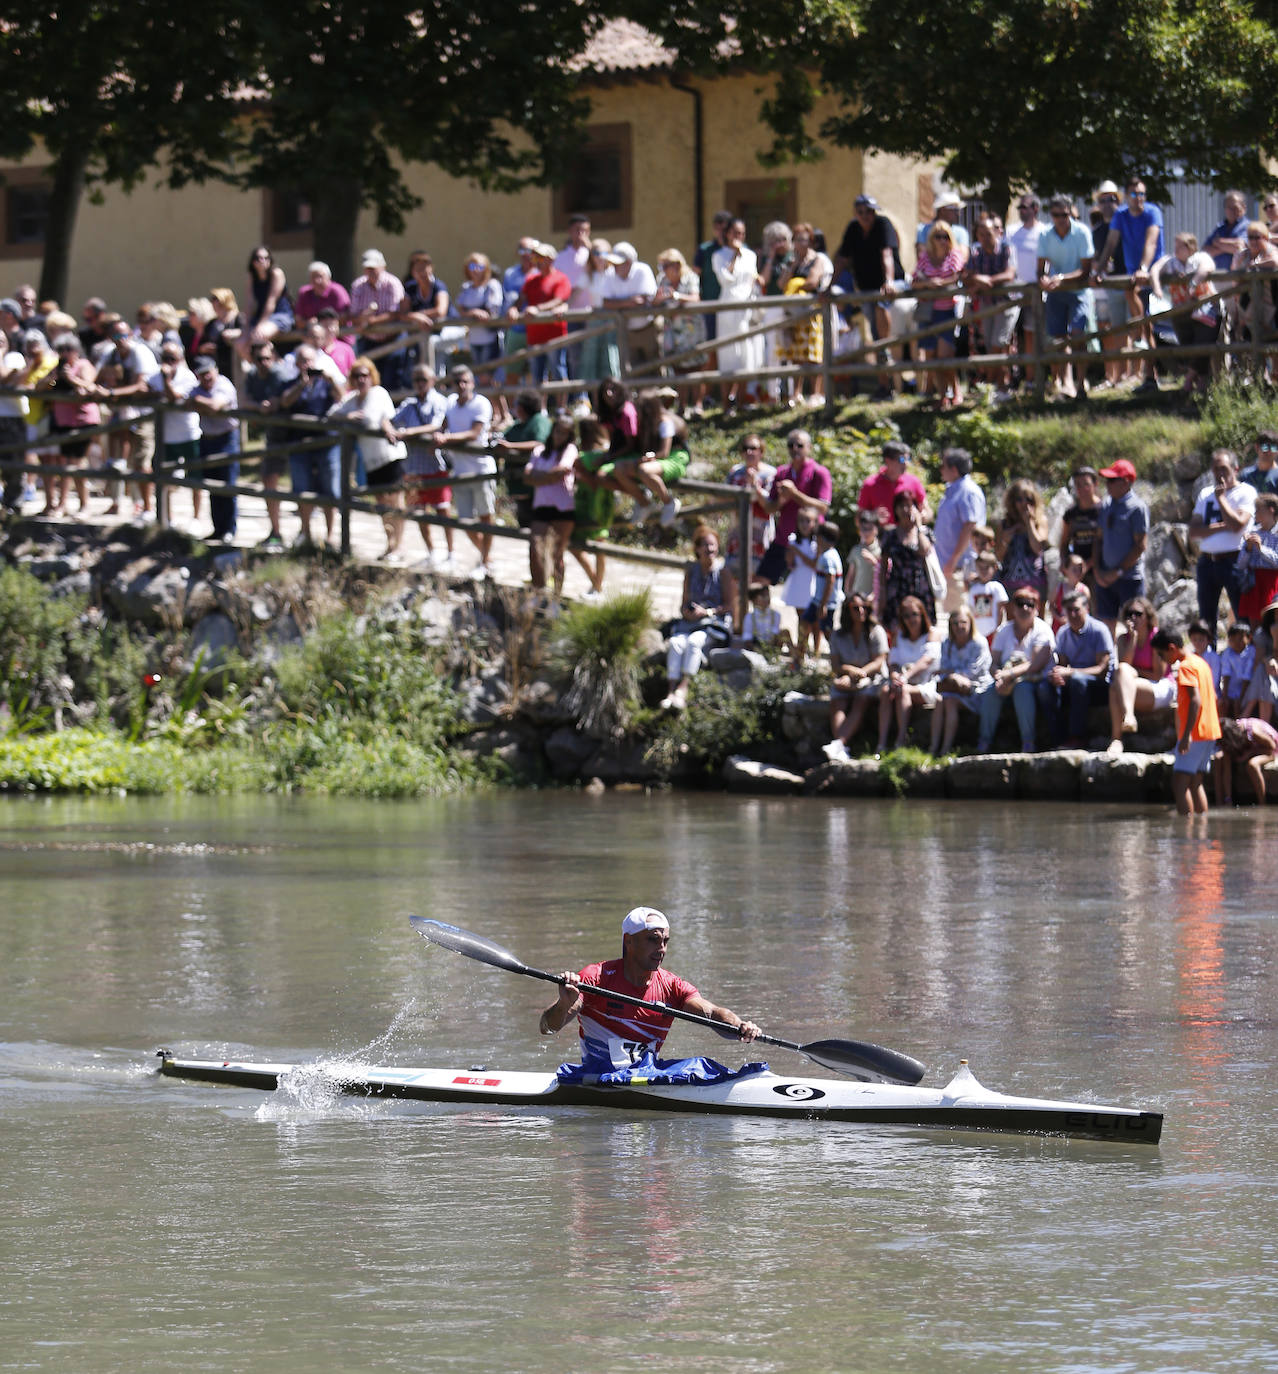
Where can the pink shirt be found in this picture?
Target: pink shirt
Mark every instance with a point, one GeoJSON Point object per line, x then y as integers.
{"type": "Point", "coordinates": [927, 271]}
{"type": "Point", "coordinates": [812, 480]}
{"type": "Point", "coordinates": [310, 302]}
{"type": "Point", "coordinates": [554, 495]}
{"type": "Point", "coordinates": [879, 491]}
{"type": "Point", "coordinates": [77, 414]}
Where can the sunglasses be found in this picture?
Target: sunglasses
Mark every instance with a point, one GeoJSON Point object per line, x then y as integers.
{"type": "Point", "coordinates": [1265, 447]}
{"type": "Point", "coordinates": [1025, 605]}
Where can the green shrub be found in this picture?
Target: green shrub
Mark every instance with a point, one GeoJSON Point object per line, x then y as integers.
{"type": "Point", "coordinates": [1234, 411]}
{"type": "Point", "coordinates": [597, 643]}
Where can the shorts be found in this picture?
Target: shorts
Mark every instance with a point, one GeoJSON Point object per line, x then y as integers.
{"type": "Point", "coordinates": [316, 473]}
{"type": "Point", "coordinates": [946, 314]}
{"type": "Point", "coordinates": [772, 566]}
{"type": "Point", "coordinates": [428, 491]}
{"type": "Point", "coordinates": [1066, 313]}
{"type": "Point", "coordinates": [77, 448]}
{"type": "Point", "coordinates": [674, 467]}
{"type": "Point", "coordinates": [1109, 600]}
{"type": "Point", "coordinates": [388, 475]}
{"type": "Point", "coordinates": [866, 687]}
{"type": "Point", "coordinates": [476, 499]}
{"type": "Point", "coordinates": [1197, 758]}
{"type": "Point", "coordinates": [552, 515]}
{"type": "Point", "coordinates": [177, 456]}
{"type": "Point", "coordinates": [998, 329]}
{"type": "Point", "coordinates": [813, 611]}
{"type": "Point", "coordinates": [1164, 693]}
{"type": "Point", "coordinates": [275, 464]}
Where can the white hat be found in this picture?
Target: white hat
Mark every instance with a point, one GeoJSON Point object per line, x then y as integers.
{"type": "Point", "coordinates": [1106, 188]}
{"type": "Point", "coordinates": [947, 200]}
{"type": "Point", "coordinates": [623, 252]}
{"type": "Point", "coordinates": [373, 258]}
{"type": "Point", "coordinates": [643, 918]}
{"type": "Point", "coordinates": [544, 250]}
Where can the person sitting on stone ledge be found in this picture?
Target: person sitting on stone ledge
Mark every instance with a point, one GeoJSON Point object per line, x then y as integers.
{"type": "Point", "coordinates": [963, 674]}
{"type": "Point", "coordinates": [912, 664]}
{"type": "Point", "coordinates": [858, 662]}
{"type": "Point", "coordinates": [1079, 679]}
{"type": "Point", "coordinates": [1141, 681]}
{"type": "Point", "coordinates": [707, 605]}
{"type": "Point", "coordinates": [1020, 653]}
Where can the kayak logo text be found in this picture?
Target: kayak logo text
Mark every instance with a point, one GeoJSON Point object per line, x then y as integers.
{"type": "Point", "coordinates": [470, 1082]}
{"type": "Point", "coordinates": [798, 1092]}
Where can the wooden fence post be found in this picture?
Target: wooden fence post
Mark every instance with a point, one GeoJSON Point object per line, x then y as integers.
{"type": "Point", "coordinates": [827, 355]}
{"type": "Point", "coordinates": [1039, 312]}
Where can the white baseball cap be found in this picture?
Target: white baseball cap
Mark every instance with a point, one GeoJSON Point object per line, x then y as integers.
{"type": "Point", "coordinates": [643, 918]}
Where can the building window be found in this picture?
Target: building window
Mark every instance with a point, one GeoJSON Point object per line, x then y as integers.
{"type": "Point", "coordinates": [26, 193]}
{"type": "Point", "coordinates": [286, 219]}
{"type": "Point", "coordinates": [599, 184]}
{"type": "Point", "coordinates": [761, 200]}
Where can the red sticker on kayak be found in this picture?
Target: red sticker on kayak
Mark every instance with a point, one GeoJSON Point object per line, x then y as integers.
{"type": "Point", "coordinates": [469, 1082]}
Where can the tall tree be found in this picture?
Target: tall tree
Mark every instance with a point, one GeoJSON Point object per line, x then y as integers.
{"type": "Point", "coordinates": [1056, 94]}
{"type": "Point", "coordinates": [349, 94]}
{"type": "Point", "coordinates": [111, 93]}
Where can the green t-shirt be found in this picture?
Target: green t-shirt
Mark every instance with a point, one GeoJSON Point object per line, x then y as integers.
{"type": "Point", "coordinates": [593, 506]}
{"type": "Point", "coordinates": [537, 429]}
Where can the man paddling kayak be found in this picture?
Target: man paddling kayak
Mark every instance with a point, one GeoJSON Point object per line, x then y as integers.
{"type": "Point", "coordinates": [614, 1035]}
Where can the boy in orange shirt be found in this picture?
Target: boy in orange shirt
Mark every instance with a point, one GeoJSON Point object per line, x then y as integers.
{"type": "Point", "coordinates": [1197, 722]}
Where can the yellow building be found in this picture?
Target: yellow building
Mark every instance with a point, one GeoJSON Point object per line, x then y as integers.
{"type": "Point", "coordinates": [664, 152]}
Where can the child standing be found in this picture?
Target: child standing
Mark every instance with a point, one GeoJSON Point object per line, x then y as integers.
{"type": "Point", "coordinates": [593, 501]}
{"type": "Point", "coordinates": [762, 624]}
{"type": "Point", "coordinates": [1072, 573]}
{"type": "Point", "coordinates": [987, 595]}
{"type": "Point", "coordinates": [416, 422]}
{"type": "Point", "coordinates": [863, 561]}
{"type": "Point", "coordinates": [1236, 666]}
{"type": "Point", "coordinates": [800, 558]}
{"type": "Point", "coordinates": [821, 610]}
{"type": "Point", "coordinates": [982, 539]}
{"type": "Point", "coordinates": [1258, 560]}
{"type": "Point", "coordinates": [1197, 722]}
{"type": "Point", "coordinates": [1200, 638]}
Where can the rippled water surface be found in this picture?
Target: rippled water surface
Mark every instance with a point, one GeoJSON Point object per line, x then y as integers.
{"type": "Point", "coordinates": [1109, 954]}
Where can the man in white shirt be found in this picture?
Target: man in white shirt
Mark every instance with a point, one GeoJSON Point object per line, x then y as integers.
{"type": "Point", "coordinates": [633, 283]}
{"type": "Point", "coordinates": [1024, 244]}
{"type": "Point", "coordinates": [13, 422]}
{"type": "Point", "coordinates": [180, 428]}
{"type": "Point", "coordinates": [1223, 514]}
{"type": "Point", "coordinates": [1021, 652]}
{"type": "Point", "coordinates": [467, 421]}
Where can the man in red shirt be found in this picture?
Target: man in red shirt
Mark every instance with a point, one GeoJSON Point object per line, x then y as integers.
{"type": "Point", "coordinates": [545, 295]}
{"type": "Point", "coordinates": [880, 491]}
{"type": "Point", "coordinates": [800, 482]}
{"type": "Point", "coordinates": [615, 1035]}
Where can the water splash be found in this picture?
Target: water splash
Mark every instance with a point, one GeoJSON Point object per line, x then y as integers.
{"type": "Point", "coordinates": [313, 1092]}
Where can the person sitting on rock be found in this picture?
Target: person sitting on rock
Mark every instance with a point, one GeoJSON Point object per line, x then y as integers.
{"type": "Point", "coordinates": [963, 674]}
{"type": "Point", "coordinates": [858, 662]}
{"type": "Point", "coordinates": [1021, 653]}
{"type": "Point", "coordinates": [1141, 682]}
{"type": "Point", "coordinates": [1079, 679]}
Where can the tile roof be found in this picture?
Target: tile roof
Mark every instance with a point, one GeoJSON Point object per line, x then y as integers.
{"type": "Point", "coordinates": [621, 45]}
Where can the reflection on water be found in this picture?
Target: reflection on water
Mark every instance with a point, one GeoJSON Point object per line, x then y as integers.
{"type": "Point", "coordinates": [1111, 954]}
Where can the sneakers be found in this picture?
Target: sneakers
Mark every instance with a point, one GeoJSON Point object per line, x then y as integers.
{"type": "Point", "coordinates": [677, 701]}
{"type": "Point", "coordinates": [593, 595]}
{"type": "Point", "coordinates": [836, 751]}
{"type": "Point", "coordinates": [272, 541]}
{"type": "Point", "coordinates": [670, 512]}
{"type": "Point", "coordinates": [447, 564]}
{"type": "Point", "coordinates": [484, 572]}
{"type": "Point", "coordinates": [1115, 748]}
{"type": "Point", "coordinates": [394, 558]}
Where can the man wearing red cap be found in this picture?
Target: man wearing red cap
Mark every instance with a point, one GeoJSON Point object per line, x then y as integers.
{"type": "Point", "coordinates": [1119, 550]}
{"type": "Point", "coordinates": [615, 1035]}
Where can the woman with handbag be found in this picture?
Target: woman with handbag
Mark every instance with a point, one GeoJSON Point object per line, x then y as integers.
{"type": "Point", "coordinates": [903, 569]}
{"type": "Point", "coordinates": [709, 600]}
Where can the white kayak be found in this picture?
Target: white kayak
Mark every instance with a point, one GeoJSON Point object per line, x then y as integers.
{"type": "Point", "coordinates": [962, 1104]}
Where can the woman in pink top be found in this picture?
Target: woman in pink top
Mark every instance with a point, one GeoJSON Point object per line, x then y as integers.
{"type": "Point", "coordinates": [550, 473]}
{"type": "Point", "coordinates": [69, 381]}
{"type": "Point", "coordinates": [940, 264]}
{"type": "Point", "coordinates": [1140, 683]}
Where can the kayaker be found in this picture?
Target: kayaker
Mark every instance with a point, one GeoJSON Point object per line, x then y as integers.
{"type": "Point", "coordinates": [616, 1036]}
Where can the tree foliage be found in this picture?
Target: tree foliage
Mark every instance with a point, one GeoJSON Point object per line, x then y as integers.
{"type": "Point", "coordinates": [1056, 94]}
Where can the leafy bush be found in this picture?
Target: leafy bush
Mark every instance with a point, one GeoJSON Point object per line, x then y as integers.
{"type": "Point", "coordinates": [1233, 412]}
{"type": "Point", "coordinates": [598, 644]}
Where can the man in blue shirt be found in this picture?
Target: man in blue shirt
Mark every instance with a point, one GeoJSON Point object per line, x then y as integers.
{"type": "Point", "coordinates": [960, 511]}
{"type": "Point", "coordinates": [1139, 227]}
{"type": "Point", "coordinates": [1230, 235]}
{"type": "Point", "coordinates": [1119, 553]}
{"type": "Point", "coordinates": [1064, 269]}
{"type": "Point", "coordinates": [1263, 473]}
{"type": "Point", "coordinates": [1079, 679]}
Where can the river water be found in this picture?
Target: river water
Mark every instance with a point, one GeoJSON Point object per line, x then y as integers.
{"type": "Point", "coordinates": [1113, 954]}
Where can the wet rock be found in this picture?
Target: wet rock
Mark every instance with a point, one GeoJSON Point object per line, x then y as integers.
{"type": "Point", "coordinates": [1126, 778]}
{"type": "Point", "coordinates": [741, 774]}
{"type": "Point", "coordinates": [568, 749]}
{"type": "Point", "coordinates": [983, 776]}
{"type": "Point", "coordinates": [846, 778]}
{"type": "Point", "coordinates": [1048, 777]}
{"type": "Point", "coordinates": [805, 718]}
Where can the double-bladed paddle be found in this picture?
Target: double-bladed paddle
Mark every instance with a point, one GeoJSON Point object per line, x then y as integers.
{"type": "Point", "coordinates": [856, 1058]}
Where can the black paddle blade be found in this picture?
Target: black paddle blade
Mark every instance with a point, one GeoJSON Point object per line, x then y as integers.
{"type": "Point", "coordinates": [472, 946]}
{"type": "Point", "coordinates": [860, 1059]}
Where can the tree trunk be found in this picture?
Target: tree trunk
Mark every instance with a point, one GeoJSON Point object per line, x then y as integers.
{"type": "Point", "coordinates": [998, 197]}
{"type": "Point", "coordinates": [64, 205]}
{"type": "Point", "coordinates": [335, 215]}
